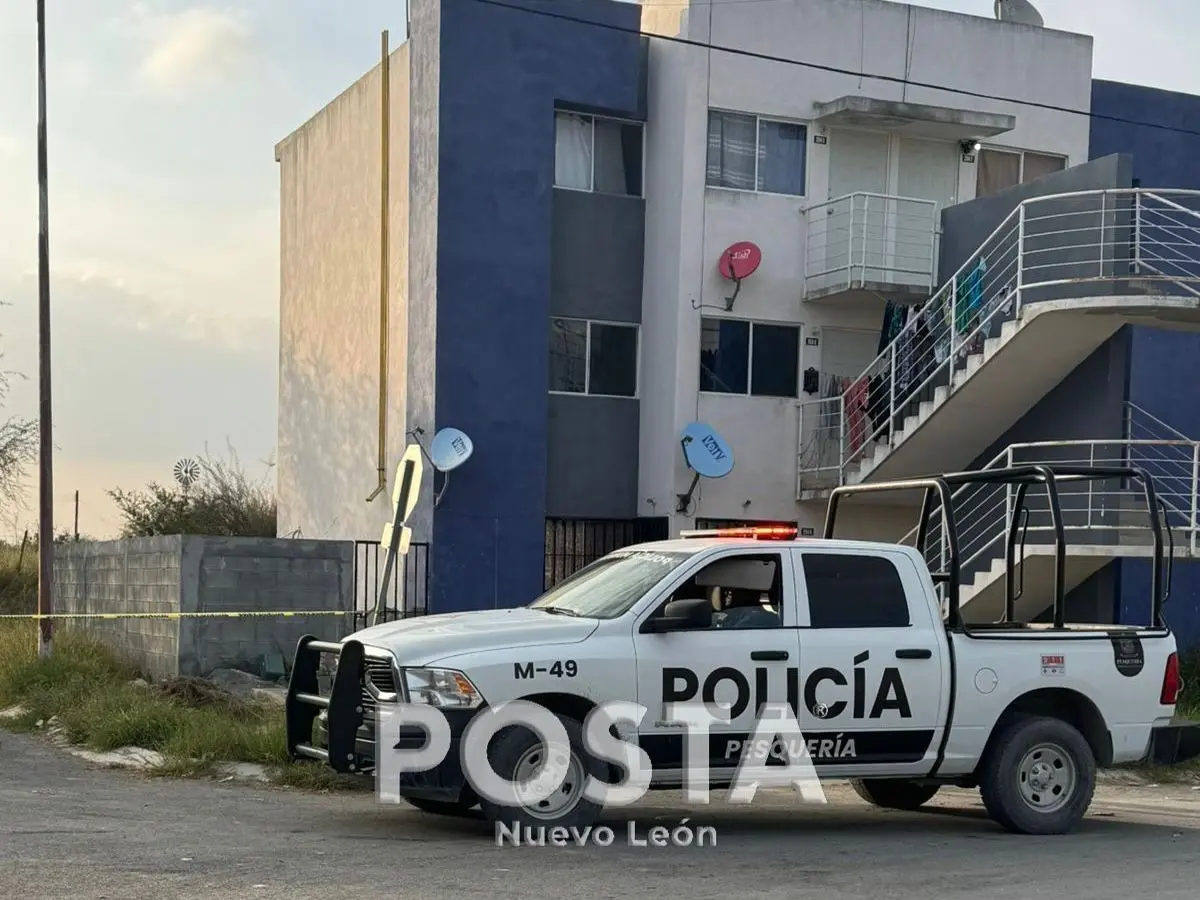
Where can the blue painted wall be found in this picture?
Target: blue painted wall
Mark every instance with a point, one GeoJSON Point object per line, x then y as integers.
{"type": "Point", "coordinates": [1163, 364]}
{"type": "Point", "coordinates": [502, 73]}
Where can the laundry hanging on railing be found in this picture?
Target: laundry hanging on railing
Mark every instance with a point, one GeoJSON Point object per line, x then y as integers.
{"type": "Point", "coordinates": [895, 316]}
{"type": "Point", "coordinates": [857, 420]}
{"type": "Point", "coordinates": [969, 301]}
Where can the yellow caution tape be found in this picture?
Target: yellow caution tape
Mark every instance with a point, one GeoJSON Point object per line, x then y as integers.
{"type": "Point", "coordinates": [287, 614]}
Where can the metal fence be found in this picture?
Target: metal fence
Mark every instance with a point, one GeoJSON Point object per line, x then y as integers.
{"type": "Point", "coordinates": [572, 544]}
{"type": "Point", "coordinates": [408, 590]}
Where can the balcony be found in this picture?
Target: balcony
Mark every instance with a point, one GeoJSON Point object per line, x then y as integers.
{"type": "Point", "coordinates": [1054, 280]}
{"type": "Point", "coordinates": [863, 247]}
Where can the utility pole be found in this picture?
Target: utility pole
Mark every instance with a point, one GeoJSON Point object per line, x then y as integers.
{"type": "Point", "coordinates": [45, 428]}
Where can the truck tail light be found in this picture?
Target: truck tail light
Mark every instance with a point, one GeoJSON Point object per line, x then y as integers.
{"type": "Point", "coordinates": [1172, 683]}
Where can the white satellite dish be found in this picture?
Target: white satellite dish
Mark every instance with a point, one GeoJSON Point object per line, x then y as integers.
{"type": "Point", "coordinates": [1022, 12]}
{"type": "Point", "coordinates": [450, 449]}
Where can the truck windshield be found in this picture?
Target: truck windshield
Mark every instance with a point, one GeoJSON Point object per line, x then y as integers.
{"type": "Point", "coordinates": [611, 585]}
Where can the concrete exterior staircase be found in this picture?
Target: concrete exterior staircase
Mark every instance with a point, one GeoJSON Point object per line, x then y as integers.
{"type": "Point", "coordinates": [1034, 324]}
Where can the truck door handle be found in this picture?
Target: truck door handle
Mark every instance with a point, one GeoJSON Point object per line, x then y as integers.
{"type": "Point", "coordinates": [777, 655]}
{"type": "Point", "coordinates": [914, 653]}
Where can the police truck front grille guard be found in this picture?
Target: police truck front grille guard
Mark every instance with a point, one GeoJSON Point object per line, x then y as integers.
{"type": "Point", "coordinates": [349, 706]}
{"type": "Point", "coordinates": [1022, 476]}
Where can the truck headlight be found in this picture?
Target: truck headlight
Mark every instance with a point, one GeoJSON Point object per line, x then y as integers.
{"type": "Point", "coordinates": [444, 688]}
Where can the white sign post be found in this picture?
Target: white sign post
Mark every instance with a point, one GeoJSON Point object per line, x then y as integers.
{"type": "Point", "coordinates": [397, 536]}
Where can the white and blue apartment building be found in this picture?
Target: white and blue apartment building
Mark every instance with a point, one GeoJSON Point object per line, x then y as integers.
{"type": "Point", "coordinates": [947, 281]}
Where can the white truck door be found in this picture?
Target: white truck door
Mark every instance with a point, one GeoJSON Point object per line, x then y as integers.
{"type": "Point", "coordinates": [872, 663]}
{"type": "Point", "coordinates": [746, 658]}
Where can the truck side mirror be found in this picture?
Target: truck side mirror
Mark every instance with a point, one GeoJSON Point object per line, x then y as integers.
{"type": "Point", "coordinates": [682, 615]}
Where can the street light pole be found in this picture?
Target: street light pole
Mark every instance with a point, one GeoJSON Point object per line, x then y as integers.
{"type": "Point", "coordinates": [45, 430]}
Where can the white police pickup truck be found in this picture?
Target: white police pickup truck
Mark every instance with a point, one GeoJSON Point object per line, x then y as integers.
{"type": "Point", "coordinates": [889, 685]}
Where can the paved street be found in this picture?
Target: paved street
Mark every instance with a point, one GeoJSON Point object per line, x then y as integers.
{"type": "Point", "coordinates": [70, 830]}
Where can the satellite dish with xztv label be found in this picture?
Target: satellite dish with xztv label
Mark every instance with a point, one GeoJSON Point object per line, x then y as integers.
{"type": "Point", "coordinates": [450, 449]}
{"type": "Point", "coordinates": [706, 454]}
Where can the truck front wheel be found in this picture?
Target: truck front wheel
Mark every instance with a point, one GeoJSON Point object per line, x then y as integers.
{"type": "Point", "coordinates": [517, 754]}
{"type": "Point", "coordinates": [1037, 776]}
{"type": "Point", "coordinates": [891, 793]}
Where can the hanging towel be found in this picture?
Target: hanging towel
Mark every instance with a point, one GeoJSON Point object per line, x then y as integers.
{"type": "Point", "coordinates": [856, 415]}
{"type": "Point", "coordinates": [970, 297]}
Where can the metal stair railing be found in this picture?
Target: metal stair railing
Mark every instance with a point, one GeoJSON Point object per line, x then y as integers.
{"type": "Point", "coordinates": [1105, 513]}
{"type": "Point", "coordinates": [1063, 246]}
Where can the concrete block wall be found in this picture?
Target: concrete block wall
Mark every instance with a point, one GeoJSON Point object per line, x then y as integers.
{"type": "Point", "coordinates": [192, 574]}
{"type": "Point", "coordinates": [137, 575]}
{"type": "Point", "coordinates": [263, 575]}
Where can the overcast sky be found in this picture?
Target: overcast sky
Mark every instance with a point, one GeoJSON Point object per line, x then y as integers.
{"type": "Point", "coordinates": [163, 116]}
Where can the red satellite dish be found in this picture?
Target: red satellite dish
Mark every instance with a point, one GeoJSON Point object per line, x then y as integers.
{"type": "Point", "coordinates": [739, 260]}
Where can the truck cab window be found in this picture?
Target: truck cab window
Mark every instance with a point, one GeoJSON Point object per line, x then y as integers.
{"type": "Point", "coordinates": [854, 591]}
{"type": "Point", "coordinates": [746, 591]}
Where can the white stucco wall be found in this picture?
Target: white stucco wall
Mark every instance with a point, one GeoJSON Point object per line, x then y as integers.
{"type": "Point", "coordinates": [688, 224]}
{"type": "Point", "coordinates": [329, 309]}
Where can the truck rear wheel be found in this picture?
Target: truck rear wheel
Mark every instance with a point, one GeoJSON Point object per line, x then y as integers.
{"type": "Point", "coordinates": [517, 754]}
{"type": "Point", "coordinates": [892, 793]}
{"type": "Point", "coordinates": [1037, 776]}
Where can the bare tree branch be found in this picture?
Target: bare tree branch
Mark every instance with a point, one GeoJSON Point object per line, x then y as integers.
{"type": "Point", "coordinates": [18, 446]}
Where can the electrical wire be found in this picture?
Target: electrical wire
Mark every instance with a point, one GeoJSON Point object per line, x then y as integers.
{"type": "Point", "coordinates": [820, 67]}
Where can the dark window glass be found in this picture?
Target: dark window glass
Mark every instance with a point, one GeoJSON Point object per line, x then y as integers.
{"type": "Point", "coordinates": [614, 360]}
{"type": "Point", "coordinates": [618, 158]}
{"type": "Point", "coordinates": [848, 591]}
{"type": "Point", "coordinates": [724, 356]}
{"type": "Point", "coordinates": [775, 365]}
{"type": "Point", "coordinates": [568, 355]}
{"type": "Point", "coordinates": [781, 151]}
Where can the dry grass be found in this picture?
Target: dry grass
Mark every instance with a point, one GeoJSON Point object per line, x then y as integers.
{"type": "Point", "coordinates": [101, 704]}
{"type": "Point", "coordinates": [18, 577]}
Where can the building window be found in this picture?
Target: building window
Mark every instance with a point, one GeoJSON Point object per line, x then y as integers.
{"type": "Point", "coordinates": [740, 357]}
{"type": "Point", "coordinates": [854, 592]}
{"type": "Point", "coordinates": [597, 358]}
{"type": "Point", "coordinates": [999, 170]}
{"type": "Point", "coordinates": [595, 154]}
{"type": "Point", "coordinates": [750, 153]}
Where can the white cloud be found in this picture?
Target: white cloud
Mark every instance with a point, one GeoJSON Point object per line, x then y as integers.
{"type": "Point", "coordinates": [192, 49]}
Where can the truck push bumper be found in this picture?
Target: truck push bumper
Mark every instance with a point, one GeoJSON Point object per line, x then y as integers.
{"type": "Point", "coordinates": [364, 679]}
{"type": "Point", "coordinates": [1175, 743]}
{"type": "Point", "coordinates": [349, 719]}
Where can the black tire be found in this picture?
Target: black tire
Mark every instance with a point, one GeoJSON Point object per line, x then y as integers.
{"type": "Point", "coordinates": [507, 750]}
{"type": "Point", "coordinates": [1066, 766]}
{"type": "Point", "coordinates": [893, 793]}
{"type": "Point", "coordinates": [441, 807]}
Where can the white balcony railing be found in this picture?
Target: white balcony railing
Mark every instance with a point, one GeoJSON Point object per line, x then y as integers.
{"type": "Point", "coordinates": [1110, 512]}
{"type": "Point", "coordinates": [1065, 246]}
{"type": "Point", "coordinates": [866, 239]}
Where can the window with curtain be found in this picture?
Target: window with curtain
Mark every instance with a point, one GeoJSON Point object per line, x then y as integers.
{"type": "Point", "coordinates": [996, 171]}
{"type": "Point", "coordinates": [755, 358]}
{"type": "Point", "coordinates": [999, 170]}
{"type": "Point", "coordinates": [750, 153]}
{"type": "Point", "coordinates": [598, 358]}
{"type": "Point", "coordinates": [592, 153]}
{"type": "Point", "coordinates": [1036, 165]}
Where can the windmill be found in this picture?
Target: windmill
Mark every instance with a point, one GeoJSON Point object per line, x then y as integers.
{"type": "Point", "coordinates": [187, 472]}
